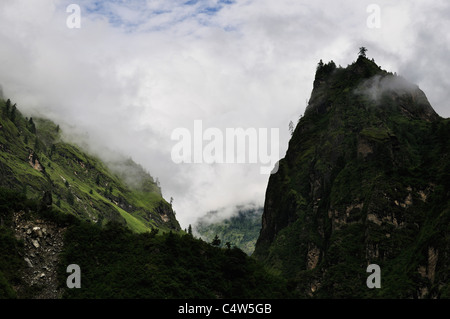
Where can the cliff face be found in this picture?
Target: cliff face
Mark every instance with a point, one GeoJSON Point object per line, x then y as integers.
{"type": "Point", "coordinates": [365, 181]}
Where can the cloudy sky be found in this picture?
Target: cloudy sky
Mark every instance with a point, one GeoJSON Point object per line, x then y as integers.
{"type": "Point", "coordinates": [136, 70]}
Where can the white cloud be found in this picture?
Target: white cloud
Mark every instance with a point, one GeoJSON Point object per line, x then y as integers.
{"type": "Point", "coordinates": [136, 70]}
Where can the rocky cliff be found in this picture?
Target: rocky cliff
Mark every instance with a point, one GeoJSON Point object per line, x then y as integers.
{"type": "Point", "coordinates": [365, 181]}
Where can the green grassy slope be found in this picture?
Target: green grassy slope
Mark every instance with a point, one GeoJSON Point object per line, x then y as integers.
{"type": "Point", "coordinates": [34, 159]}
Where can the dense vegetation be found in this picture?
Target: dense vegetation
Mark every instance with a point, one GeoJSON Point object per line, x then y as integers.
{"type": "Point", "coordinates": [116, 263]}
{"type": "Point", "coordinates": [365, 180]}
{"type": "Point", "coordinates": [241, 230]}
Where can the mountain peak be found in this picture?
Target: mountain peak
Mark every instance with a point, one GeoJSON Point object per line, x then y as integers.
{"type": "Point", "coordinates": [364, 176]}
{"type": "Point", "coordinates": [365, 84]}
{"type": "Point", "coordinates": [362, 68]}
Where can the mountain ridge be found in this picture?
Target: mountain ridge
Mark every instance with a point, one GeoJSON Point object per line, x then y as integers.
{"type": "Point", "coordinates": [35, 160]}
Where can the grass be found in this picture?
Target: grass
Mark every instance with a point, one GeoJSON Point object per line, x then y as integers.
{"type": "Point", "coordinates": [70, 173]}
{"type": "Point", "coordinates": [133, 223]}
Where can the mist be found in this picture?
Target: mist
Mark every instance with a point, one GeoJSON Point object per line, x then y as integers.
{"type": "Point", "coordinates": [225, 213]}
{"type": "Point", "coordinates": [137, 70]}
{"type": "Point", "coordinates": [375, 87]}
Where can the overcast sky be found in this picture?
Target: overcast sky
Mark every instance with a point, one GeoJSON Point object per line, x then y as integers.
{"type": "Point", "coordinates": [136, 70]}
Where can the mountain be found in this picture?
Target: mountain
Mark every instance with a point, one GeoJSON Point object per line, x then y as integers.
{"type": "Point", "coordinates": [60, 207]}
{"type": "Point", "coordinates": [240, 230]}
{"type": "Point", "coordinates": [365, 180]}
{"type": "Point", "coordinates": [36, 160]}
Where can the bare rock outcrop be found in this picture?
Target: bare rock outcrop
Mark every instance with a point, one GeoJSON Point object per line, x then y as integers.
{"type": "Point", "coordinates": [42, 243]}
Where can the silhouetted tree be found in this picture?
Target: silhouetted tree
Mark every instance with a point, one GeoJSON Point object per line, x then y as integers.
{"type": "Point", "coordinates": [12, 116]}
{"type": "Point", "coordinates": [320, 64]}
{"type": "Point", "coordinates": [362, 51]}
{"type": "Point", "coordinates": [216, 241]}
{"type": "Point", "coordinates": [7, 106]}
{"type": "Point", "coordinates": [70, 198]}
{"type": "Point", "coordinates": [52, 150]}
{"type": "Point", "coordinates": [32, 126]}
